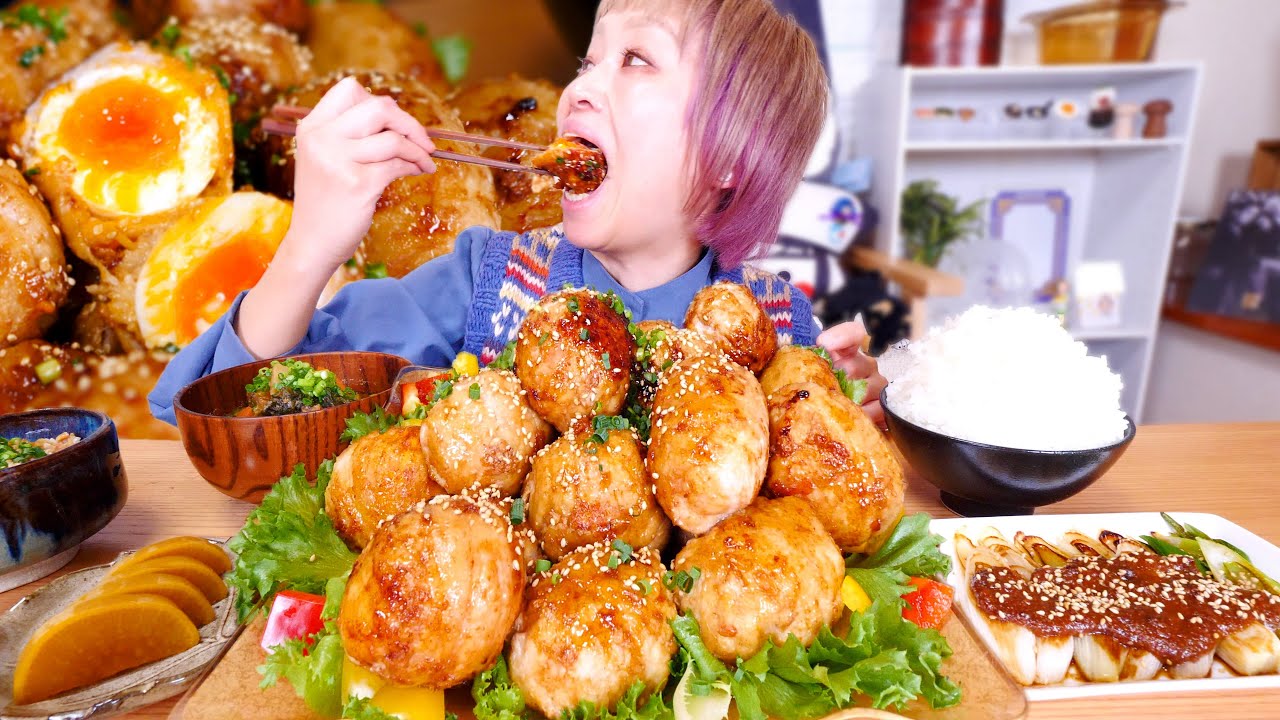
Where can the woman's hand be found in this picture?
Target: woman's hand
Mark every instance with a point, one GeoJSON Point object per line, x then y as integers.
{"type": "Point", "coordinates": [349, 149]}
{"type": "Point", "coordinates": [844, 342]}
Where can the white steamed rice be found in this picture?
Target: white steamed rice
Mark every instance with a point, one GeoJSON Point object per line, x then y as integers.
{"type": "Point", "coordinates": [1007, 377]}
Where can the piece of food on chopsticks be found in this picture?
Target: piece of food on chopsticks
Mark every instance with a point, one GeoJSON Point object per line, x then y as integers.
{"type": "Point", "coordinates": [148, 612]}
{"type": "Point", "coordinates": [765, 573]}
{"type": "Point", "coordinates": [433, 598]}
{"type": "Point", "coordinates": [594, 627]}
{"type": "Point", "coordinates": [378, 476]}
{"type": "Point", "coordinates": [576, 162]}
{"type": "Point", "coordinates": [1114, 608]}
{"type": "Point", "coordinates": [288, 386]}
{"type": "Point", "coordinates": [573, 357]}
{"type": "Point", "coordinates": [729, 315]}
{"type": "Point", "coordinates": [590, 486]}
{"type": "Point", "coordinates": [708, 441]}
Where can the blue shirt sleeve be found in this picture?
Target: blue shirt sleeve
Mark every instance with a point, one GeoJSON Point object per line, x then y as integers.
{"type": "Point", "coordinates": [421, 317]}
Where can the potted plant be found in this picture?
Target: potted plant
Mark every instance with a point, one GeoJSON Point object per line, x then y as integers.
{"type": "Point", "coordinates": [932, 220]}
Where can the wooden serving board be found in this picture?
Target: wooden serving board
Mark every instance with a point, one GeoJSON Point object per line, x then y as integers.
{"type": "Point", "coordinates": [230, 691]}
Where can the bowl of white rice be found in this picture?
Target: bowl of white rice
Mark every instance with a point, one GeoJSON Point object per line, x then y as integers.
{"type": "Point", "coordinates": [1004, 411]}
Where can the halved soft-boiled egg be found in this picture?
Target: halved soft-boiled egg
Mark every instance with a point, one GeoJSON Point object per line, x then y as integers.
{"type": "Point", "coordinates": [137, 131]}
{"type": "Point", "coordinates": [203, 261]}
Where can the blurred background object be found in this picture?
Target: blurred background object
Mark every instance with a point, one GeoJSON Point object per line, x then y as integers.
{"type": "Point", "coordinates": [1098, 32]}
{"type": "Point", "coordinates": [952, 32]}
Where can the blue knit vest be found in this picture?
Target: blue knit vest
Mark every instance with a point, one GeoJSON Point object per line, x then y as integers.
{"type": "Point", "coordinates": [518, 270]}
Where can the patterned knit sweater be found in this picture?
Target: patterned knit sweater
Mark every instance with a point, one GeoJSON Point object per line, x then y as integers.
{"type": "Point", "coordinates": [518, 270]}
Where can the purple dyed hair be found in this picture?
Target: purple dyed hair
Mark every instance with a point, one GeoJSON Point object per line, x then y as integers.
{"type": "Point", "coordinates": [754, 119]}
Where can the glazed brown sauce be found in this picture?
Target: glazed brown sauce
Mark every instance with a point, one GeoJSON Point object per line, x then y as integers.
{"type": "Point", "coordinates": [1163, 605]}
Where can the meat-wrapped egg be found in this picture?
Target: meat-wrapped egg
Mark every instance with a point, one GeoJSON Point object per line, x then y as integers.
{"type": "Point", "coordinates": [573, 356]}
{"type": "Point", "coordinates": [35, 280]}
{"type": "Point", "coordinates": [292, 15]}
{"type": "Point", "coordinates": [433, 598]}
{"type": "Point", "coordinates": [418, 217]}
{"type": "Point", "coordinates": [795, 364]}
{"type": "Point", "coordinates": [200, 264]}
{"type": "Point", "coordinates": [256, 61]}
{"type": "Point", "coordinates": [125, 143]}
{"type": "Point", "coordinates": [824, 449]}
{"type": "Point", "coordinates": [483, 434]}
{"type": "Point", "coordinates": [764, 573]}
{"type": "Point", "coordinates": [708, 442]}
{"type": "Point", "coordinates": [350, 35]}
{"type": "Point", "coordinates": [376, 478]}
{"type": "Point", "coordinates": [594, 624]}
{"type": "Point", "coordinates": [33, 54]}
{"type": "Point", "coordinates": [659, 346]}
{"type": "Point", "coordinates": [591, 486]}
{"type": "Point", "coordinates": [730, 315]}
{"type": "Point", "coordinates": [516, 108]}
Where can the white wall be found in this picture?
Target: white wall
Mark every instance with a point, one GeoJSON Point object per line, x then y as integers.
{"type": "Point", "coordinates": [1198, 376]}
{"type": "Point", "coordinates": [1239, 43]}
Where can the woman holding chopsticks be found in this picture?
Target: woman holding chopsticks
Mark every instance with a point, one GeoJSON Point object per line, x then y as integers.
{"type": "Point", "coordinates": [706, 112]}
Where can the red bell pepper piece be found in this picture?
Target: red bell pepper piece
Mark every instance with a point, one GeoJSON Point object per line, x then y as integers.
{"type": "Point", "coordinates": [929, 604]}
{"type": "Point", "coordinates": [427, 387]}
{"type": "Point", "coordinates": [293, 615]}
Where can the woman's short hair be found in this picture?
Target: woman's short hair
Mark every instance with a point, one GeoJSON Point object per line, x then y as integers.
{"type": "Point", "coordinates": [756, 113]}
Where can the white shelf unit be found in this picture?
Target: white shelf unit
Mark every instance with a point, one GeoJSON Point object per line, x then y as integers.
{"type": "Point", "coordinates": [1124, 194]}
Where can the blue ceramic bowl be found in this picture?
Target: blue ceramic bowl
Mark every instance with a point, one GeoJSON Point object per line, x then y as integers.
{"type": "Point", "coordinates": [50, 505]}
{"type": "Point", "coordinates": [979, 480]}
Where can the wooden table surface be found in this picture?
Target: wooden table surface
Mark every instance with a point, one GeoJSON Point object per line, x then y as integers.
{"type": "Point", "coordinates": [1229, 470]}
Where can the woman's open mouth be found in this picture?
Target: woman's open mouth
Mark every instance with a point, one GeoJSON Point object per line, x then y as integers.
{"type": "Point", "coordinates": [577, 163]}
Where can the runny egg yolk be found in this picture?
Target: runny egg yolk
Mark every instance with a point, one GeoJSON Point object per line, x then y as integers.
{"type": "Point", "coordinates": [123, 125]}
{"type": "Point", "coordinates": [203, 293]}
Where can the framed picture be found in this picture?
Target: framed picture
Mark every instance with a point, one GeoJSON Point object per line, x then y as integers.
{"type": "Point", "coordinates": [1038, 223]}
{"type": "Point", "coordinates": [1240, 275]}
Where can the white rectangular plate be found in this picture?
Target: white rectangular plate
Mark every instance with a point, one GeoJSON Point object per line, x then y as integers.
{"type": "Point", "coordinates": [1265, 555]}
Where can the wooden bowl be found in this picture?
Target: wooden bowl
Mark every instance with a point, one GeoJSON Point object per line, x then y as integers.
{"type": "Point", "coordinates": [244, 457]}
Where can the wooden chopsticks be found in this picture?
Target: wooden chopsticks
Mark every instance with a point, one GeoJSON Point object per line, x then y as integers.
{"type": "Point", "coordinates": [283, 120]}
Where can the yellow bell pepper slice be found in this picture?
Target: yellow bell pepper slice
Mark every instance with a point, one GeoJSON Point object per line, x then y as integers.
{"type": "Point", "coordinates": [466, 364]}
{"type": "Point", "coordinates": [410, 703]}
{"type": "Point", "coordinates": [359, 682]}
{"type": "Point", "coordinates": [855, 598]}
